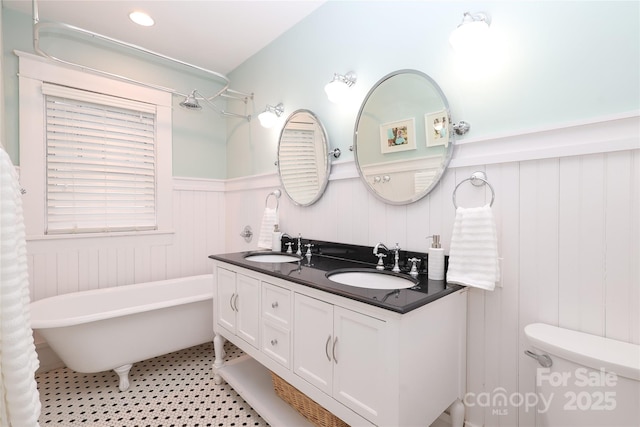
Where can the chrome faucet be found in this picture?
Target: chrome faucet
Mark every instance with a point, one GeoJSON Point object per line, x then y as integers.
{"type": "Point", "coordinates": [380, 265]}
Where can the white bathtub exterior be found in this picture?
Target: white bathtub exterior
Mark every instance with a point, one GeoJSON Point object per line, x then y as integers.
{"type": "Point", "coordinates": [103, 329]}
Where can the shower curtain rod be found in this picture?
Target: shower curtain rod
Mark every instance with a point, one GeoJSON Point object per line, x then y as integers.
{"type": "Point", "coordinates": [224, 92]}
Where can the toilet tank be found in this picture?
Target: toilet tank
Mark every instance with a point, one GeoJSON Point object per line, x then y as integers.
{"type": "Point", "coordinates": [593, 381]}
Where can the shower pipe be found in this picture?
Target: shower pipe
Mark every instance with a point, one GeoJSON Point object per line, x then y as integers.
{"type": "Point", "coordinates": [224, 92]}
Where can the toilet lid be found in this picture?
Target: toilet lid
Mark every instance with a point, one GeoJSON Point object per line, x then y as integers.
{"type": "Point", "coordinates": [585, 349]}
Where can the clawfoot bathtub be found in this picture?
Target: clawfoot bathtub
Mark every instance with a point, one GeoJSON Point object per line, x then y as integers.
{"type": "Point", "coordinates": [112, 328]}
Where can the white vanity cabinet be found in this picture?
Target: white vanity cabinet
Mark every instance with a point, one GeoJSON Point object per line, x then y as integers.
{"type": "Point", "coordinates": [238, 305]}
{"type": "Point", "coordinates": [341, 352]}
{"type": "Point", "coordinates": [367, 365]}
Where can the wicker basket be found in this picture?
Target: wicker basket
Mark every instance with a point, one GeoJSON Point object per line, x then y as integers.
{"type": "Point", "coordinates": [308, 408]}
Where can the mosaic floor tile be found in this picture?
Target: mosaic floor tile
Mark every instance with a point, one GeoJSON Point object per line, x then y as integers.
{"type": "Point", "coordinates": [174, 390]}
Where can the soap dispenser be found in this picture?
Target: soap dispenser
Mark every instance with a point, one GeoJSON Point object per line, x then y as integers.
{"type": "Point", "coordinates": [276, 242]}
{"type": "Point", "coordinates": [435, 265]}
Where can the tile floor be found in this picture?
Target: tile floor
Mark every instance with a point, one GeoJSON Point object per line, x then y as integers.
{"type": "Point", "coordinates": [173, 390]}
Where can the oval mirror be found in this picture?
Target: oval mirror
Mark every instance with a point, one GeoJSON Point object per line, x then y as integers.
{"type": "Point", "coordinates": [403, 139]}
{"type": "Point", "coordinates": [303, 163]}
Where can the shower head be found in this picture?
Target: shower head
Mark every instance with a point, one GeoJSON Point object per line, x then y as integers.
{"type": "Point", "coordinates": [191, 102]}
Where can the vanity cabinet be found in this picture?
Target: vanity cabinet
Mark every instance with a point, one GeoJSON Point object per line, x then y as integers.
{"type": "Point", "coordinates": [238, 305]}
{"type": "Point", "coordinates": [367, 365]}
{"type": "Point", "coordinates": [340, 351]}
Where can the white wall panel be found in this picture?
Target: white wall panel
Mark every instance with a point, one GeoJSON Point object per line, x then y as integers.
{"type": "Point", "coordinates": [634, 229]}
{"type": "Point", "coordinates": [568, 231]}
{"type": "Point", "coordinates": [618, 262]}
{"type": "Point", "coordinates": [502, 334]}
{"type": "Point", "coordinates": [63, 265]}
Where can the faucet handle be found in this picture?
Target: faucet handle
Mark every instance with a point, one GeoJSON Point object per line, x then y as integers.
{"type": "Point", "coordinates": [288, 245]}
{"type": "Point", "coordinates": [308, 246]}
{"type": "Point", "coordinates": [414, 269]}
{"type": "Point", "coordinates": [380, 265]}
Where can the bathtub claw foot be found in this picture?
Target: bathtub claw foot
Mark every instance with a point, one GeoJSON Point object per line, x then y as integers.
{"type": "Point", "coordinates": [123, 374]}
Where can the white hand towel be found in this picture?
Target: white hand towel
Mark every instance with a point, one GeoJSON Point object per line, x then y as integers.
{"type": "Point", "coordinates": [19, 399]}
{"type": "Point", "coordinates": [269, 219]}
{"type": "Point", "coordinates": [473, 255]}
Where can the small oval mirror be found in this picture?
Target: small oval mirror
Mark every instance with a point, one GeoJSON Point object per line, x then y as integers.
{"type": "Point", "coordinates": [403, 138]}
{"type": "Point", "coordinates": [303, 163]}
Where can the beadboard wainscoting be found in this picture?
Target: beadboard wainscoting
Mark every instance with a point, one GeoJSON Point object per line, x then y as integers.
{"type": "Point", "coordinates": [568, 218]}
{"type": "Point", "coordinates": [71, 264]}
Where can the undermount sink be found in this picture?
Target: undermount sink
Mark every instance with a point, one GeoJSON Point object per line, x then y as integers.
{"type": "Point", "coordinates": [272, 257]}
{"type": "Point", "coordinates": [372, 279]}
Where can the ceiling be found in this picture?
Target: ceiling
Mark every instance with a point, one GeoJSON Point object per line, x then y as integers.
{"type": "Point", "coordinates": [215, 34]}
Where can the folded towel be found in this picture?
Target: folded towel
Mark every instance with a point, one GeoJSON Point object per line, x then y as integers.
{"type": "Point", "coordinates": [269, 219]}
{"type": "Point", "coordinates": [473, 255]}
{"type": "Point", "coordinates": [19, 399]}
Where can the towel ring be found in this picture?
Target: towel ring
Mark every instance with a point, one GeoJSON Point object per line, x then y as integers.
{"type": "Point", "coordinates": [276, 194]}
{"type": "Point", "coordinates": [477, 179]}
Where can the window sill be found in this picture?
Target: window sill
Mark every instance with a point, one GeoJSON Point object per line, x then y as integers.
{"type": "Point", "coordinates": [155, 237]}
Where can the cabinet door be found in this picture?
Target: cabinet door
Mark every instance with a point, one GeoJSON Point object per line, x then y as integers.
{"type": "Point", "coordinates": [247, 305]}
{"type": "Point", "coordinates": [226, 294]}
{"type": "Point", "coordinates": [359, 363]}
{"type": "Point", "coordinates": [313, 341]}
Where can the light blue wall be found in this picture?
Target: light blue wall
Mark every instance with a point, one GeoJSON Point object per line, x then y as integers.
{"type": "Point", "coordinates": [555, 63]}
{"type": "Point", "coordinates": [199, 137]}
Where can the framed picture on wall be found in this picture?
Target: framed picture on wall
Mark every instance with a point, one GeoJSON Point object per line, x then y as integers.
{"type": "Point", "coordinates": [437, 128]}
{"type": "Point", "coordinates": [398, 136]}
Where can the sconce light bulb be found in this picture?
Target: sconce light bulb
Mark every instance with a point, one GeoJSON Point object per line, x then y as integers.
{"type": "Point", "coordinates": [471, 34]}
{"type": "Point", "coordinates": [267, 119]}
{"type": "Point", "coordinates": [336, 91]}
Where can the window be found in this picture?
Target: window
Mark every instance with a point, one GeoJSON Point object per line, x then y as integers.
{"type": "Point", "coordinates": [95, 154]}
{"type": "Point", "coordinates": [100, 162]}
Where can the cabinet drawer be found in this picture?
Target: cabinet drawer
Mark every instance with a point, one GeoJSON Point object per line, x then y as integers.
{"type": "Point", "coordinates": [276, 343]}
{"type": "Point", "coordinates": [276, 304]}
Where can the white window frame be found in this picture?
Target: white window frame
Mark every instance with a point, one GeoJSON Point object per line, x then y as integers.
{"type": "Point", "coordinates": [33, 71]}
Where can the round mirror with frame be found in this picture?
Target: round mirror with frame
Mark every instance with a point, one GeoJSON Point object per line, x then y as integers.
{"type": "Point", "coordinates": [403, 138]}
{"type": "Point", "coordinates": [303, 163]}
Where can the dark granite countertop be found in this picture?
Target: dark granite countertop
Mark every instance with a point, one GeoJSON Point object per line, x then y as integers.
{"type": "Point", "coordinates": [328, 257]}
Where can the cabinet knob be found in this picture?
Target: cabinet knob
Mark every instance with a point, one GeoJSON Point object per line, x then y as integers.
{"type": "Point", "coordinates": [274, 304]}
{"type": "Point", "coordinates": [274, 342]}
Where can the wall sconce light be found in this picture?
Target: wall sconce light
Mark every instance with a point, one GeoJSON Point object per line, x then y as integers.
{"type": "Point", "coordinates": [471, 33]}
{"type": "Point", "coordinates": [337, 89]}
{"type": "Point", "coordinates": [270, 114]}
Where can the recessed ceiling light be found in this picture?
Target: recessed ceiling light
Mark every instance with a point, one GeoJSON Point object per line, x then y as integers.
{"type": "Point", "coordinates": [141, 18]}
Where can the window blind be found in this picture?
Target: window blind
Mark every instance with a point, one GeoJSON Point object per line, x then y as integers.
{"type": "Point", "coordinates": [101, 160]}
{"type": "Point", "coordinates": [298, 165]}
